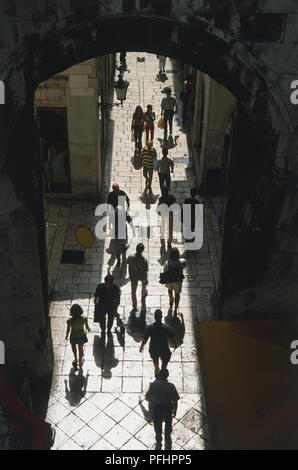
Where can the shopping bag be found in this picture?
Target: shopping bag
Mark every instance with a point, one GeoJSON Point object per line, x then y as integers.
{"type": "Point", "coordinates": [161, 123]}
{"type": "Point", "coordinates": [173, 275]}
{"type": "Point", "coordinates": [120, 324]}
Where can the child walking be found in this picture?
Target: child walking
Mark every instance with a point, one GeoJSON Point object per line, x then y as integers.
{"type": "Point", "coordinates": [76, 326]}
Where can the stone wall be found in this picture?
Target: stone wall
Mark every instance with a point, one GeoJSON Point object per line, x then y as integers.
{"type": "Point", "coordinates": [23, 321]}
{"type": "Point", "coordinates": [218, 103]}
{"type": "Point", "coordinates": [248, 46]}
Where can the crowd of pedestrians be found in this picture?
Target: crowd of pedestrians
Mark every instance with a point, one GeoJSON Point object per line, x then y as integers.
{"type": "Point", "coordinates": [161, 393]}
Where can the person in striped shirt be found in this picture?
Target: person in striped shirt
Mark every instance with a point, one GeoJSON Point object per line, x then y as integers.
{"type": "Point", "coordinates": [148, 156]}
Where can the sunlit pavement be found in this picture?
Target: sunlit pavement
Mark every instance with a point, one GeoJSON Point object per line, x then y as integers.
{"type": "Point", "coordinates": [103, 406]}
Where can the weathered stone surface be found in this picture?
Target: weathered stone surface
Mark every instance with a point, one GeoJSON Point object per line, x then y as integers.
{"type": "Point", "coordinates": [262, 27]}
{"type": "Point", "coordinates": [222, 38]}
{"type": "Point", "coordinates": [275, 6]}
{"type": "Point", "coordinates": [291, 34]}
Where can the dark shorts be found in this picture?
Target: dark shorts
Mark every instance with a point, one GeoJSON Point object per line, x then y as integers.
{"type": "Point", "coordinates": [101, 310]}
{"type": "Point", "coordinates": [164, 355]}
{"type": "Point", "coordinates": [80, 340]}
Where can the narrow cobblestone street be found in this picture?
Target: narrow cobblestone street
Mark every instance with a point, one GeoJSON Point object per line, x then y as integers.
{"type": "Point", "coordinates": [103, 406]}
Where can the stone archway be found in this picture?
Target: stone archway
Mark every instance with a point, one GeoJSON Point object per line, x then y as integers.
{"type": "Point", "coordinates": [262, 116]}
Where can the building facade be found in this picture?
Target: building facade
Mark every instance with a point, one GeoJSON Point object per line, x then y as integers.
{"type": "Point", "coordinates": [72, 130]}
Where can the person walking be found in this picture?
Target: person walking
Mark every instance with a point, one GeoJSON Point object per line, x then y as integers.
{"type": "Point", "coordinates": [115, 198]}
{"type": "Point", "coordinates": [138, 270]}
{"type": "Point", "coordinates": [106, 300]}
{"type": "Point", "coordinates": [148, 156]}
{"type": "Point", "coordinates": [169, 107]}
{"type": "Point", "coordinates": [114, 194]}
{"type": "Point", "coordinates": [149, 122]}
{"type": "Point", "coordinates": [174, 268]}
{"type": "Point", "coordinates": [163, 167]}
{"type": "Point", "coordinates": [159, 333]}
{"type": "Point", "coordinates": [167, 199]}
{"type": "Point", "coordinates": [185, 96]}
{"type": "Point", "coordinates": [137, 126]}
{"type": "Point", "coordinates": [121, 237]}
{"type": "Point", "coordinates": [77, 326]}
{"type": "Point", "coordinates": [164, 397]}
{"type": "Point", "coordinates": [161, 63]}
{"type": "Point", "coordinates": [191, 201]}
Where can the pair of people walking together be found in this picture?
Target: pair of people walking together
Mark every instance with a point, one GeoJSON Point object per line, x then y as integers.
{"type": "Point", "coordinates": [142, 122]}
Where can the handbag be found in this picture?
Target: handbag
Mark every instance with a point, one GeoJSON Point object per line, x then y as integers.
{"type": "Point", "coordinates": [161, 123]}
{"type": "Point", "coordinates": [173, 275]}
{"type": "Point", "coordinates": [132, 137]}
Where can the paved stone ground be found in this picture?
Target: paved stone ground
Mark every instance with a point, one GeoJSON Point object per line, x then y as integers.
{"type": "Point", "coordinates": [103, 406]}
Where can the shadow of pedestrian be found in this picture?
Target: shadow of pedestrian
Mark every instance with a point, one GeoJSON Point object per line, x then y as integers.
{"type": "Point", "coordinates": [119, 274]}
{"type": "Point", "coordinates": [120, 331]}
{"type": "Point", "coordinates": [162, 143]}
{"type": "Point", "coordinates": [136, 160]}
{"type": "Point", "coordinates": [98, 349]}
{"type": "Point", "coordinates": [148, 197]}
{"type": "Point", "coordinates": [110, 361]}
{"type": "Point", "coordinates": [171, 143]}
{"type": "Point", "coordinates": [177, 325]}
{"type": "Point", "coordinates": [77, 386]}
{"type": "Point", "coordinates": [168, 143]}
{"type": "Point", "coordinates": [136, 325]}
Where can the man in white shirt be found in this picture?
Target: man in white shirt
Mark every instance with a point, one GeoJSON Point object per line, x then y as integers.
{"type": "Point", "coordinates": [163, 167]}
{"type": "Point", "coordinates": [169, 107]}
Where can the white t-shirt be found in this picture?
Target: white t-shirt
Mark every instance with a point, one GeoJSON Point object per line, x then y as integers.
{"type": "Point", "coordinates": [169, 103]}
